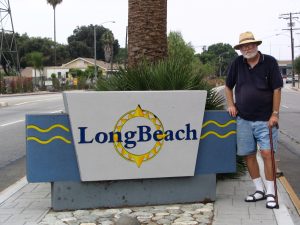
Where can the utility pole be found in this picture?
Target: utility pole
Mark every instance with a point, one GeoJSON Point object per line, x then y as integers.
{"type": "Point", "coordinates": [290, 16]}
{"type": "Point", "coordinates": [95, 54]}
{"type": "Point", "coordinates": [126, 50]}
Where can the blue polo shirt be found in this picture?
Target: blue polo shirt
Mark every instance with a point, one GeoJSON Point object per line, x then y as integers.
{"type": "Point", "coordinates": [254, 86]}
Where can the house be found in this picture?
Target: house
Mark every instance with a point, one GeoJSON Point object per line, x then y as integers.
{"type": "Point", "coordinates": [84, 63]}
{"type": "Point", "coordinates": [63, 70]}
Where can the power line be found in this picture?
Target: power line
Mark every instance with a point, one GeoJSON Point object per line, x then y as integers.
{"type": "Point", "coordinates": [290, 17]}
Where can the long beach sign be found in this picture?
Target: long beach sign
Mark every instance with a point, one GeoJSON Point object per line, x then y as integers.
{"type": "Point", "coordinates": [132, 135]}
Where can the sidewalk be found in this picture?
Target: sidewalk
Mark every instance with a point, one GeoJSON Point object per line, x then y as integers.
{"type": "Point", "coordinates": [29, 204]}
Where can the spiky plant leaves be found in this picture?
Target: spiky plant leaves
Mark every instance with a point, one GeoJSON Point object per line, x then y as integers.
{"type": "Point", "coordinates": [164, 75]}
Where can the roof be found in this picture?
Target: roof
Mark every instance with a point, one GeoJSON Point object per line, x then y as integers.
{"type": "Point", "coordinates": [284, 62]}
{"type": "Point", "coordinates": [91, 61]}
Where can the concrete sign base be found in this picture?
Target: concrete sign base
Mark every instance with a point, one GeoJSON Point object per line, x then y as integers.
{"type": "Point", "coordinates": [83, 195]}
{"type": "Point", "coordinates": [160, 148]}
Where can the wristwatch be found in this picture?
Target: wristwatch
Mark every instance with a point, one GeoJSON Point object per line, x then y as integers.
{"type": "Point", "coordinates": [276, 113]}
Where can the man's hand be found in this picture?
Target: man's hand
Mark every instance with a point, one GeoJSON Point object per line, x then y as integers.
{"type": "Point", "coordinates": [232, 111]}
{"type": "Point", "coordinates": [273, 121]}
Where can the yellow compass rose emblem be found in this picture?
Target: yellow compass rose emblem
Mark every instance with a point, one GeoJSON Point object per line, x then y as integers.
{"type": "Point", "coordinates": [139, 113]}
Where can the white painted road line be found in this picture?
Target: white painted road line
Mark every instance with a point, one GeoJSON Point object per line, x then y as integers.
{"type": "Point", "coordinates": [284, 106]}
{"type": "Point", "coordinates": [40, 100]}
{"type": "Point", "coordinates": [19, 121]}
{"type": "Point", "coordinates": [23, 103]}
{"type": "Point", "coordinates": [10, 123]}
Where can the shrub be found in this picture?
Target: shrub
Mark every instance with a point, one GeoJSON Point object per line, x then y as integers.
{"type": "Point", "coordinates": [165, 75]}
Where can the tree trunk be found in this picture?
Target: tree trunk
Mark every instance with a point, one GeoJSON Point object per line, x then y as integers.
{"type": "Point", "coordinates": [147, 30]}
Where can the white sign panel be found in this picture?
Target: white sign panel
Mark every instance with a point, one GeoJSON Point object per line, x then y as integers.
{"type": "Point", "coordinates": [136, 134]}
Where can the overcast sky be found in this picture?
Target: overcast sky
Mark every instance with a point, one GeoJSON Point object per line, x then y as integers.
{"type": "Point", "coordinates": [201, 22]}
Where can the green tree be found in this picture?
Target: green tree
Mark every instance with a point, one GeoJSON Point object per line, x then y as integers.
{"type": "Point", "coordinates": [184, 53]}
{"type": "Point", "coordinates": [35, 59]}
{"type": "Point", "coordinates": [180, 50]}
{"type": "Point", "coordinates": [121, 57]}
{"type": "Point", "coordinates": [218, 55]}
{"type": "Point", "coordinates": [45, 46]}
{"type": "Point", "coordinates": [297, 65]}
{"type": "Point", "coordinates": [81, 42]}
{"type": "Point", "coordinates": [147, 31]}
{"type": "Point", "coordinates": [79, 49]}
{"type": "Point", "coordinates": [55, 82]}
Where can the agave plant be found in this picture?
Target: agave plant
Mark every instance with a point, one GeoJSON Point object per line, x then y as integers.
{"type": "Point", "coordinates": [164, 75]}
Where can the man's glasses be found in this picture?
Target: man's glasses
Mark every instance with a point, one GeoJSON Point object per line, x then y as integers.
{"type": "Point", "coordinates": [247, 46]}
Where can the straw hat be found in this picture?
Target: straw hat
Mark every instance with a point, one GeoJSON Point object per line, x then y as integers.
{"type": "Point", "coordinates": [246, 38]}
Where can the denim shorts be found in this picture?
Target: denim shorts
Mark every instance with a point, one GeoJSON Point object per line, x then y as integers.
{"type": "Point", "coordinates": [253, 134]}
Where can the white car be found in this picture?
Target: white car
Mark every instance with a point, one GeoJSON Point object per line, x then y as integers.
{"type": "Point", "coordinates": [289, 79]}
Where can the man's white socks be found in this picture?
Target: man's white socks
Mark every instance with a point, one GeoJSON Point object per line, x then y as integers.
{"type": "Point", "coordinates": [259, 185]}
{"type": "Point", "coordinates": [270, 187]}
{"type": "Point", "coordinates": [270, 190]}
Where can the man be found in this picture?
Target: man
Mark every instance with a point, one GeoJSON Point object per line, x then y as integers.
{"type": "Point", "coordinates": [257, 83]}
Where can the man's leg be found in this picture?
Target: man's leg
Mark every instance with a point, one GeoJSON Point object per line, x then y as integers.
{"type": "Point", "coordinates": [267, 158]}
{"type": "Point", "coordinates": [253, 169]}
{"type": "Point", "coordinates": [252, 166]}
{"type": "Point", "coordinates": [246, 146]}
{"type": "Point", "coordinates": [262, 134]}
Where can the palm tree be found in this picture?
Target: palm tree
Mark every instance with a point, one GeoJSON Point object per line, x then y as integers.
{"type": "Point", "coordinates": [147, 30]}
{"type": "Point", "coordinates": [35, 59]}
{"type": "Point", "coordinates": [54, 3]}
{"type": "Point", "coordinates": [108, 41]}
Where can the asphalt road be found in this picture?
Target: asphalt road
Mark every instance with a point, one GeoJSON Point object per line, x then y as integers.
{"type": "Point", "coordinates": [12, 131]}
{"type": "Point", "coordinates": [289, 138]}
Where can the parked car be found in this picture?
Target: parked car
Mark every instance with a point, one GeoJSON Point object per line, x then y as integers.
{"type": "Point", "coordinates": [289, 78]}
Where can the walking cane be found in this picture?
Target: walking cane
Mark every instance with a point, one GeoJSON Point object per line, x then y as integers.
{"type": "Point", "coordinates": [273, 165]}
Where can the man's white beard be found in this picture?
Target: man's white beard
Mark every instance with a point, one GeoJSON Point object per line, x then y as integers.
{"type": "Point", "coordinates": [250, 55]}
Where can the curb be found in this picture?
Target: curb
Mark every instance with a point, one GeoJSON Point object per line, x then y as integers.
{"type": "Point", "coordinates": [28, 93]}
{"type": "Point", "coordinates": [282, 214]}
{"type": "Point", "coordinates": [12, 189]}
{"type": "Point", "coordinates": [295, 89]}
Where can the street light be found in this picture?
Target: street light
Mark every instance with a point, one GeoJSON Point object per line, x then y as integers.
{"type": "Point", "coordinates": [95, 46]}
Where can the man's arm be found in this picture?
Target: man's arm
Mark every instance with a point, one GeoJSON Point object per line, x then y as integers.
{"type": "Point", "coordinates": [273, 121]}
{"type": "Point", "coordinates": [230, 103]}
